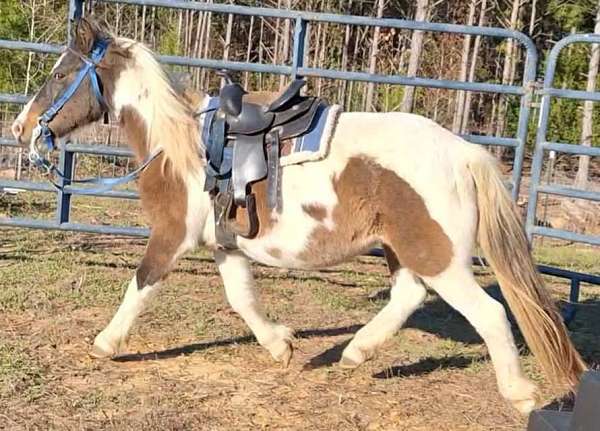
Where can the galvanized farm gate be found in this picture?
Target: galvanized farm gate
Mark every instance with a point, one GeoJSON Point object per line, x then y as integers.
{"type": "Point", "coordinates": [525, 91]}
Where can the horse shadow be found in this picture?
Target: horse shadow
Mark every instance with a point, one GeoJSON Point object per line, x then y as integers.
{"type": "Point", "coordinates": [435, 317]}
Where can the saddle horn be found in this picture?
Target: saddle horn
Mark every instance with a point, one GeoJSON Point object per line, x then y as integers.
{"type": "Point", "coordinates": [231, 94]}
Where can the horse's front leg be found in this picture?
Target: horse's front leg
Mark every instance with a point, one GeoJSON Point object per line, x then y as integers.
{"type": "Point", "coordinates": [160, 256]}
{"type": "Point", "coordinates": [239, 288]}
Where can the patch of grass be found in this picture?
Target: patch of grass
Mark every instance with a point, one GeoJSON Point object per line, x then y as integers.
{"type": "Point", "coordinates": [20, 374]}
{"type": "Point", "coordinates": [335, 300]}
{"type": "Point", "coordinates": [90, 400]}
{"type": "Point", "coordinates": [580, 258]}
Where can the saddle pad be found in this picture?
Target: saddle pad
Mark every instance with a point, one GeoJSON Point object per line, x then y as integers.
{"type": "Point", "coordinates": [314, 145]}
{"type": "Point", "coordinates": [311, 147]}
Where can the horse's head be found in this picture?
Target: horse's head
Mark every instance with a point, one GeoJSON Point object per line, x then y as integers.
{"type": "Point", "coordinates": [78, 90]}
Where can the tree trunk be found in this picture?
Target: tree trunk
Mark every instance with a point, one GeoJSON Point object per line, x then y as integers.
{"type": "Point", "coordinates": [285, 49]}
{"type": "Point", "coordinates": [143, 29]}
{"type": "Point", "coordinates": [506, 73]}
{"type": "Point", "coordinates": [464, 64]}
{"type": "Point", "coordinates": [373, 57]}
{"type": "Point", "coordinates": [260, 51]}
{"type": "Point", "coordinates": [532, 17]}
{"type": "Point", "coordinates": [581, 180]}
{"type": "Point", "coordinates": [416, 46]}
{"type": "Point", "coordinates": [248, 51]}
{"type": "Point", "coordinates": [227, 42]}
{"type": "Point", "coordinates": [473, 68]}
{"type": "Point", "coordinates": [344, 84]}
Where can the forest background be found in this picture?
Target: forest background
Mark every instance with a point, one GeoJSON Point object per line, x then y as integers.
{"type": "Point", "coordinates": [357, 48]}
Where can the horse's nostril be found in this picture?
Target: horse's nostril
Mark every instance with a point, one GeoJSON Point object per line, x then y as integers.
{"type": "Point", "coordinates": [17, 129]}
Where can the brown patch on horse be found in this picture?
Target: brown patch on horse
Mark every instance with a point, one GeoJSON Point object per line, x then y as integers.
{"type": "Point", "coordinates": [164, 202]}
{"type": "Point", "coordinates": [375, 204]}
{"type": "Point", "coordinates": [274, 252]}
{"type": "Point", "coordinates": [260, 97]}
{"type": "Point", "coordinates": [263, 212]}
{"type": "Point", "coordinates": [392, 260]}
{"type": "Point", "coordinates": [266, 220]}
{"type": "Point", "coordinates": [316, 211]}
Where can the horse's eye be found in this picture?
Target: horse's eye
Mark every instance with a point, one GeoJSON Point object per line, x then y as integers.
{"type": "Point", "coordinates": [58, 76]}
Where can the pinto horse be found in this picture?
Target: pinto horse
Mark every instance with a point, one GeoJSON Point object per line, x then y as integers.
{"type": "Point", "coordinates": [394, 179]}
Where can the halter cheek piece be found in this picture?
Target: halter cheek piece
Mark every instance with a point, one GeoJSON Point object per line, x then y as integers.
{"type": "Point", "coordinates": [43, 130]}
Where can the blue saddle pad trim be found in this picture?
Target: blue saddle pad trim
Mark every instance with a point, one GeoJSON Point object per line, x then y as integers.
{"type": "Point", "coordinates": [211, 108]}
{"type": "Point", "coordinates": [311, 141]}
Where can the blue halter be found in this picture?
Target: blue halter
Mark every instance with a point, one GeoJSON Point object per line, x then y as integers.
{"type": "Point", "coordinates": [89, 69]}
{"type": "Point", "coordinates": [44, 132]}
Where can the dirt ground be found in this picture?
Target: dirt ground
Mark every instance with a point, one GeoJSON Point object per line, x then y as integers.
{"type": "Point", "coordinates": [193, 364]}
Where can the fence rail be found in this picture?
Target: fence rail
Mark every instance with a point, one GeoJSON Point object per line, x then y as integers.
{"type": "Point", "coordinates": [525, 92]}
{"type": "Point", "coordinates": [543, 146]}
{"type": "Point", "coordinates": [297, 68]}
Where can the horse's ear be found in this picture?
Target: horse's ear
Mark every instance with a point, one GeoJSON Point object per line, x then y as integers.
{"type": "Point", "coordinates": [86, 31]}
{"type": "Point", "coordinates": [84, 34]}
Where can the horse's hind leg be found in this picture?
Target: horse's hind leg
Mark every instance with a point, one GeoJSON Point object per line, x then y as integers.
{"type": "Point", "coordinates": [239, 288]}
{"type": "Point", "coordinates": [406, 295]}
{"type": "Point", "coordinates": [458, 287]}
{"type": "Point", "coordinates": [159, 258]}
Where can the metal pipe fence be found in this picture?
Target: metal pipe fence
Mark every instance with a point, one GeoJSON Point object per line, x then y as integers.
{"type": "Point", "coordinates": [298, 68]}
{"type": "Point", "coordinates": [543, 146]}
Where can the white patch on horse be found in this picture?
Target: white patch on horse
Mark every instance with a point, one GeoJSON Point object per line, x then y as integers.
{"type": "Point", "coordinates": [24, 112]}
{"type": "Point", "coordinates": [112, 339]}
{"type": "Point", "coordinates": [301, 185]}
{"type": "Point", "coordinates": [144, 85]}
{"type": "Point", "coordinates": [239, 288]}
{"type": "Point", "coordinates": [198, 211]}
{"type": "Point", "coordinates": [60, 59]}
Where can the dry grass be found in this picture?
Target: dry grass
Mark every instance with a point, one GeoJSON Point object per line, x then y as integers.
{"type": "Point", "coordinates": [194, 365]}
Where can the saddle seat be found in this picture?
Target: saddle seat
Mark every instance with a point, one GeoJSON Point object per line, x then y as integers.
{"type": "Point", "coordinates": [231, 96]}
{"type": "Point", "coordinates": [246, 118]}
{"type": "Point", "coordinates": [250, 134]}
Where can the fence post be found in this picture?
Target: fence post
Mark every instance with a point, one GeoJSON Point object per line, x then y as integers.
{"type": "Point", "coordinates": [63, 207]}
{"type": "Point", "coordinates": [75, 12]}
{"type": "Point", "coordinates": [299, 46]}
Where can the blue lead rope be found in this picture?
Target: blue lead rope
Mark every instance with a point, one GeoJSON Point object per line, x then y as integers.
{"type": "Point", "coordinates": [103, 184]}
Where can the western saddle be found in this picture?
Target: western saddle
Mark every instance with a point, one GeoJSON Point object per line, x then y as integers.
{"type": "Point", "coordinates": [244, 147]}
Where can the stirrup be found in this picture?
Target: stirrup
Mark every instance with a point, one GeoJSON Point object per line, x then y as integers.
{"type": "Point", "coordinates": [251, 230]}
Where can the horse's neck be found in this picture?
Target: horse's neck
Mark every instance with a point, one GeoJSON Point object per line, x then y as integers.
{"type": "Point", "coordinates": [136, 132]}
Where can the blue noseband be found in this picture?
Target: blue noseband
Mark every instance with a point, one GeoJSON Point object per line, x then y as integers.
{"type": "Point", "coordinates": [89, 69]}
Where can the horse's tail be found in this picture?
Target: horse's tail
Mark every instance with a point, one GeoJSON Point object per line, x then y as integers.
{"type": "Point", "coordinates": [503, 240]}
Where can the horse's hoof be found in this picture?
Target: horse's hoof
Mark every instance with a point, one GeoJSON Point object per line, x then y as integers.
{"type": "Point", "coordinates": [282, 349]}
{"type": "Point", "coordinates": [353, 357]}
{"type": "Point", "coordinates": [524, 406]}
{"type": "Point", "coordinates": [286, 356]}
{"type": "Point", "coordinates": [98, 352]}
{"type": "Point", "coordinates": [348, 363]}
{"type": "Point", "coordinates": [522, 394]}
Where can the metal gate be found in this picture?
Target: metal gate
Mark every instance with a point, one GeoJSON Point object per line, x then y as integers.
{"type": "Point", "coordinates": [526, 90]}
{"type": "Point", "coordinates": [297, 68]}
{"type": "Point", "coordinates": [542, 146]}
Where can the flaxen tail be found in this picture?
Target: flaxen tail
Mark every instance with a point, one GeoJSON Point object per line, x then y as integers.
{"type": "Point", "coordinates": [503, 240]}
